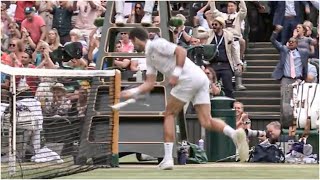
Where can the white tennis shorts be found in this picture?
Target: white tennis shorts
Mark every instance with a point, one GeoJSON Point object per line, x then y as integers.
{"type": "Point", "coordinates": [192, 87]}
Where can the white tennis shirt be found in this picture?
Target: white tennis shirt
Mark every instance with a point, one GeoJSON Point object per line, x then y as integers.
{"type": "Point", "coordinates": [161, 57]}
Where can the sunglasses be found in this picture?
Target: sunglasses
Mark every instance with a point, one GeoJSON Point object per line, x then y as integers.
{"type": "Point", "coordinates": [215, 24]}
{"type": "Point", "coordinates": [25, 57]}
{"type": "Point", "coordinates": [123, 33]}
{"type": "Point", "coordinates": [12, 45]}
{"type": "Point", "coordinates": [292, 41]}
{"type": "Point", "coordinates": [138, 7]}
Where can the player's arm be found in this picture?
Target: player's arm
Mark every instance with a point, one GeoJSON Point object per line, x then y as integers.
{"type": "Point", "coordinates": [147, 86]}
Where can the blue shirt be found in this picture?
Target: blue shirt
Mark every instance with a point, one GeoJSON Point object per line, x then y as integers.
{"type": "Point", "coordinates": [297, 64]}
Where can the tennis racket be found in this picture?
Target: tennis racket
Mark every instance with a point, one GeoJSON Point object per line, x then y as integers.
{"type": "Point", "coordinates": [141, 99]}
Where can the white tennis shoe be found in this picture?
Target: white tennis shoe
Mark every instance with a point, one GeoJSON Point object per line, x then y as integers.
{"type": "Point", "coordinates": [166, 164]}
{"type": "Point", "coordinates": [240, 140]}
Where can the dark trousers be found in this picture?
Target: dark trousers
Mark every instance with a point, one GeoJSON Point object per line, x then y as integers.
{"type": "Point", "coordinates": [289, 25]}
{"type": "Point", "coordinates": [286, 95]}
{"type": "Point", "coordinates": [225, 73]}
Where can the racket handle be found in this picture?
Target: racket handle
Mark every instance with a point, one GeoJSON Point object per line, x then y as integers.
{"type": "Point", "coordinates": [123, 104]}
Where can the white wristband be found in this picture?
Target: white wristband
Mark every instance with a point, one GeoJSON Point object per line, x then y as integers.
{"type": "Point", "coordinates": [177, 71]}
{"type": "Point", "coordinates": [134, 91]}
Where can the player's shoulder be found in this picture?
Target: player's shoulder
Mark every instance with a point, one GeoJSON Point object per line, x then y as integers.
{"type": "Point", "coordinates": [159, 41]}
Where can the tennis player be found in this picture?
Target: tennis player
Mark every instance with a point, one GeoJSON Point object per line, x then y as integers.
{"type": "Point", "coordinates": [189, 83]}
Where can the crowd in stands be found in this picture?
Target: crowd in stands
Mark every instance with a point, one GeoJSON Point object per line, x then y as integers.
{"type": "Point", "coordinates": [32, 30]}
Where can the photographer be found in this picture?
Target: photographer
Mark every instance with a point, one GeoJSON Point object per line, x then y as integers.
{"type": "Point", "coordinates": [270, 136]}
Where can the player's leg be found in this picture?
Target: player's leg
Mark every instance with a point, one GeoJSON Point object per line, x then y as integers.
{"type": "Point", "coordinates": [202, 106]}
{"type": "Point", "coordinates": [174, 106]}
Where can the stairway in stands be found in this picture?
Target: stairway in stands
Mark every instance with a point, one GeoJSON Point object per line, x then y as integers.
{"type": "Point", "coordinates": [262, 97]}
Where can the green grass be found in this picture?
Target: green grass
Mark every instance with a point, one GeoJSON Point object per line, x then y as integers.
{"type": "Point", "coordinates": [212, 171]}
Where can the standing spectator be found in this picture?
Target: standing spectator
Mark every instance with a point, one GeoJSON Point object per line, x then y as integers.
{"type": "Point", "coordinates": [30, 46]}
{"type": "Point", "coordinates": [5, 19]}
{"type": "Point", "coordinates": [225, 64]}
{"type": "Point", "coordinates": [88, 12]}
{"type": "Point", "coordinates": [19, 15]}
{"type": "Point", "coordinates": [146, 20]}
{"type": "Point", "coordinates": [200, 18]}
{"type": "Point", "coordinates": [233, 20]}
{"type": "Point", "coordinates": [293, 65]}
{"type": "Point", "coordinates": [62, 15]}
{"type": "Point", "coordinates": [35, 25]}
{"type": "Point", "coordinates": [303, 41]}
{"type": "Point", "coordinates": [44, 11]}
{"type": "Point", "coordinates": [287, 15]}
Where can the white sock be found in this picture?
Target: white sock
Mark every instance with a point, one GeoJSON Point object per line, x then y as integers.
{"type": "Point", "coordinates": [168, 146]}
{"type": "Point", "coordinates": [229, 131]}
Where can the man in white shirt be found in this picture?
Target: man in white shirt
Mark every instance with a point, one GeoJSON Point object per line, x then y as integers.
{"type": "Point", "coordinates": [189, 83]}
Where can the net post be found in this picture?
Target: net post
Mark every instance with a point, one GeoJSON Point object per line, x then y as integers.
{"type": "Point", "coordinates": [12, 129]}
{"type": "Point", "coordinates": [115, 135]}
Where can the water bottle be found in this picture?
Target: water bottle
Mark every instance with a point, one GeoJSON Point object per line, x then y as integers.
{"type": "Point", "coordinates": [201, 144]}
{"type": "Point", "coordinates": [139, 76]}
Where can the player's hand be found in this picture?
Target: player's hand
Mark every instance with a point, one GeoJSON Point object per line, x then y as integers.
{"type": "Point", "coordinates": [126, 94]}
{"type": "Point", "coordinates": [173, 80]}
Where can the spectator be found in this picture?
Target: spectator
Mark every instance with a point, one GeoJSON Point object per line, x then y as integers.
{"type": "Point", "coordinates": [215, 86]}
{"type": "Point", "coordinates": [44, 8]}
{"type": "Point", "coordinates": [14, 31]}
{"type": "Point", "coordinates": [88, 12]}
{"type": "Point", "coordinates": [146, 20]}
{"type": "Point", "coordinates": [153, 35]}
{"type": "Point", "coordinates": [75, 36]}
{"type": "Point", "coordinates": [28, 42]}
{"type": "Point", "coordinates": [95, 37]}
{"type": "Point", "coordinates": [156, 20]}
{"type": "Point", "coordinates": [53, 39]}
{"type": "Point", "coordinates": [303, 41]}
{"type": "Point", "coordinates": [287, 15]}
{"type": "Point", "coordinates": [233, 20]}
{"type": "Point", "coordinates": [137, 14]}
{"type": "Point", "coordinates": [4, 42]}
{"type": "Point", "coordinates": [39, 53]}
{"type": "Point", "coordinates": [35, 25]}
{"type": "Point", "coordinates": [60, 104]}
{"type": "Point", "coordinates": [293, 66]}
{"type": "Point", "coordinates": [122, 63]}
{"type": "Point", "coordinates": [312, 76]}
{"type": "Point", "coordinates": [202, 34]}
{"type": "Point", "coordinates": [62, 15]}
{"type": "Point", "coordinates": [5, 19]}
{"type": "Point", "coordinates": [224, 65]}
{"type": "Point", "coordinates": [16, 48]}
{"type": "Point", "coordinates": [182, 33]}
{"type": "Point", "coordinates": [27, 82]}
{"type": "Point", "coordinates": [19, 15]}
{"type": "Point", "coordinates": [82, 101]}
{"type": "Point", "coordinates": [242, 119]}
{"type": "Point", "coordinates": [287, 71]}
{"type": "Point", "coordinates": [126, 44]}
{"type": "Point", "coordinates": [200, 19]}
